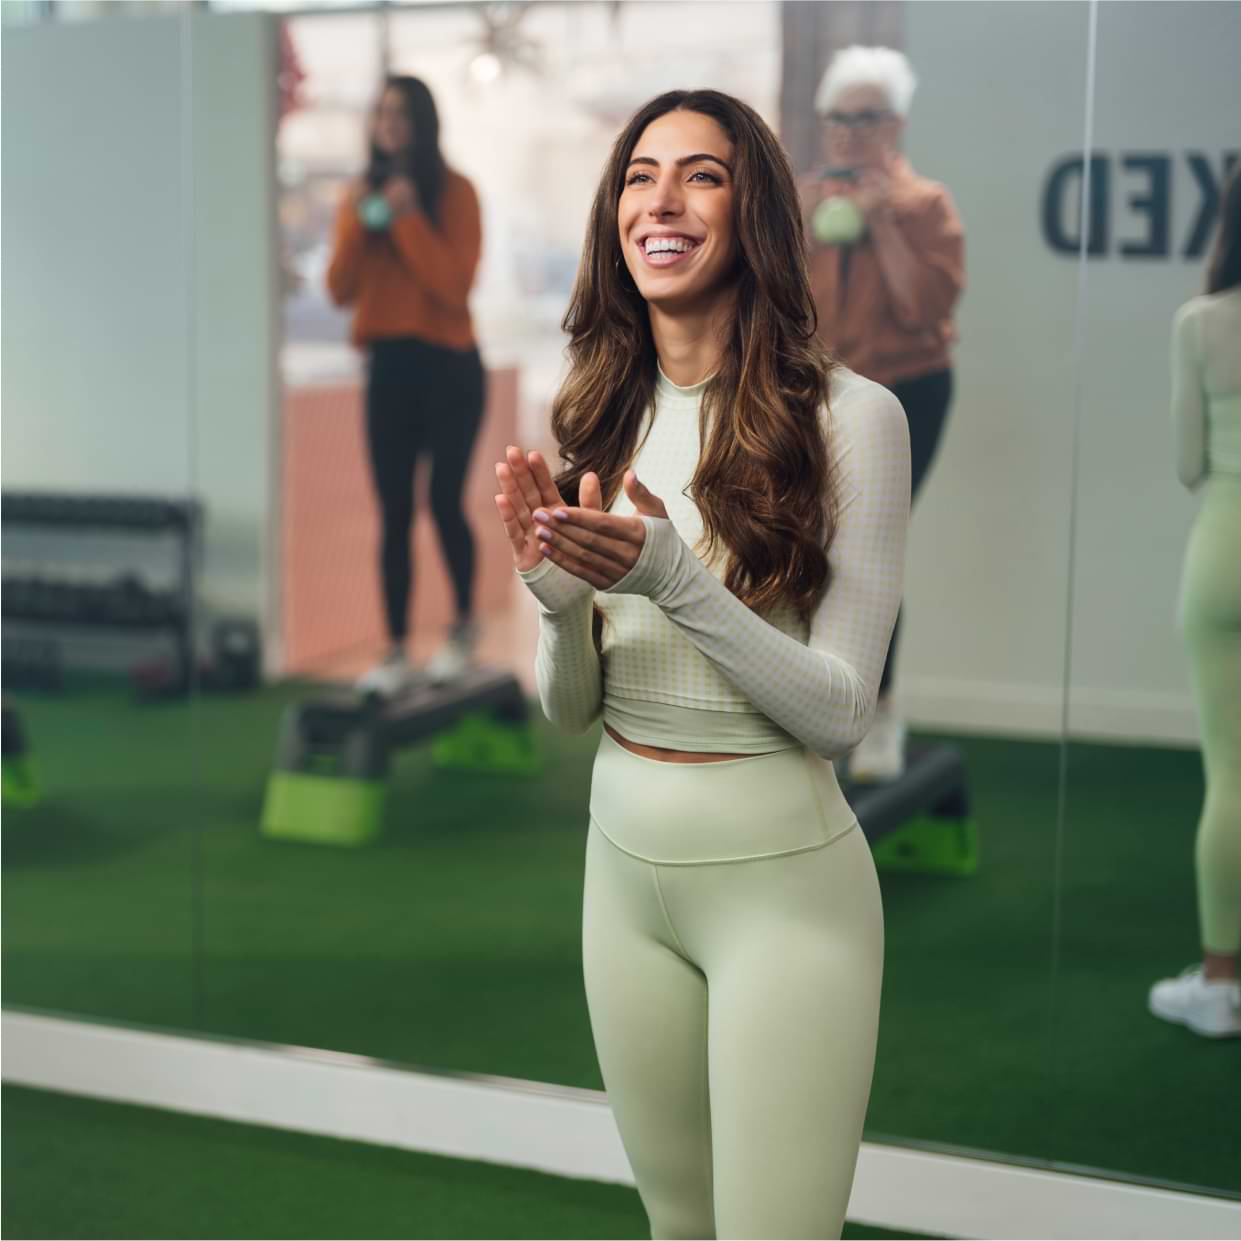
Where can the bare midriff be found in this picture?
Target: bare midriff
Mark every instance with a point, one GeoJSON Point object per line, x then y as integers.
{"type": "Point", "coordinates": [662, 755]}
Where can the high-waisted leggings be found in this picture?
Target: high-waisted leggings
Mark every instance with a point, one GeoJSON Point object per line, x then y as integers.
{"type": "Point", "coordinates": [733, 952]}
{"type": "Point", "coordinates": [422, 398]}
{"type": "Point", "coordinates": [1211, 618]}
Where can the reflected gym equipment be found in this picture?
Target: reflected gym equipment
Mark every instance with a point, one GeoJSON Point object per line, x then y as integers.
{"type": "Point", "coordinates": [127, 602]}
{"type": "Point", "coordinates": [19, 787]}
{"type": "Point", "coordinates": [920, 822]}
{"type": "Point", "coordinates": [230, 655]}
{"type": "Point", "coordinates": [329, 785]}
{"type": "Point", "coordinates": [31, 663]}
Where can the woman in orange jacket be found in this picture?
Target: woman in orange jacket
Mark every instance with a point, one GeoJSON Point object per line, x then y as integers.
{"type": "Point", "coordinates": [408, 238]}
{"type": "Point", "coordinates": [887, 264]}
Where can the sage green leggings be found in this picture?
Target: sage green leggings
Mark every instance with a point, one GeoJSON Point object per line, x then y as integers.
{"type": "Point", "coordinates": [1211, 618]}
{"type": "Point", "coordinates": [733, 951]}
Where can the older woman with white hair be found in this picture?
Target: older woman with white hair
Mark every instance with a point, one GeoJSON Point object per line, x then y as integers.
{"type": "Point", "coordinates": [886, 268]}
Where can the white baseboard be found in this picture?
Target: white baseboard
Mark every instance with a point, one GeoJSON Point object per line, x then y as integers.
{"type": "Point", "coordinates": [556, 1129]}
{"type": "Point", "coordinates": [1036, 711]}
{"type": "Point", "coordinates": [1033, 711]}
{"type": "Point", "coordinates": [1141, 718]}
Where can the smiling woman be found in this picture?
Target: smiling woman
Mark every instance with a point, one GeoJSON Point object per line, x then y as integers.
{"type": "Point", "coordinates": [676, 213]}
{"type": "Point", "coordinates": [717, 571]}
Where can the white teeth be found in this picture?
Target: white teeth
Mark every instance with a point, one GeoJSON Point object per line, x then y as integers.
{"type": "Point", "coordinates": [658, 245]}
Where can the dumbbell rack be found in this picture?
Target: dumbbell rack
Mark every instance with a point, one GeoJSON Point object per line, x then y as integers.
{"type": "Point", "coordinates": [47, 602]}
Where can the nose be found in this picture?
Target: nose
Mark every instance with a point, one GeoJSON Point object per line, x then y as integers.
{"type": "Point", "coordinates": [666, 200]}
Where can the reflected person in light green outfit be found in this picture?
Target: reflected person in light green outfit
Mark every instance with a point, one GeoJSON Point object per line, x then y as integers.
{"type": "Point", "coordinates": [1206, 406]}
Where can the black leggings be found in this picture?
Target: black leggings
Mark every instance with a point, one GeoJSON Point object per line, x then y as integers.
{"type": "Point", "coordinates": [926, 407]}
{"type": "Point", "coordinates": [422, 398]}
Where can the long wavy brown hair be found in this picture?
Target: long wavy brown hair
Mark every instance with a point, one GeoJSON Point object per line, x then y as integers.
{"type": "Point", "coordinates": [764, 484]}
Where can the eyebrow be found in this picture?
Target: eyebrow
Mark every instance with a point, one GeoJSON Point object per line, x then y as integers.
{"type": "Point", "coordinates": [683, 161]}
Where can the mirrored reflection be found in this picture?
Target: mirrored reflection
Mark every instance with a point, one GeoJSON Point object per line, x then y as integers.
{"type": "Point", "coordinates": [450, 934]}
{"type": "Point", "coordinates": [401, 875]}
{"type": "Point", "coordinates": [966, 840]}
{"type": "Point", "coordinates": [102, 524]}
{"type": "Point", "coordinates": [1147, 997]}
{"type": "Point", "coordinates": [427, 908]}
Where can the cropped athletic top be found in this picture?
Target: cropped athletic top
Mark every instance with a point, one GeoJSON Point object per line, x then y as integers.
{"type": "Point", "coordinates": [686, 665]}
{"type": "Point", "coordinates": [1206, 386]}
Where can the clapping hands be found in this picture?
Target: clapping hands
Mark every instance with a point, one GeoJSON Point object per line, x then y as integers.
{"type": "Point", "coordinates": [597, 547]}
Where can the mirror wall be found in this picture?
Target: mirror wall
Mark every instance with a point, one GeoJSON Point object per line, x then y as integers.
{"type": "Point", "coordinates": [102, 537]}
{"type": "Point", "coordinates": [184, 345]}
{"type": "Point", "coordinates": [1149, 620]}
{"type": "Point", "coordinates": [452, 939]}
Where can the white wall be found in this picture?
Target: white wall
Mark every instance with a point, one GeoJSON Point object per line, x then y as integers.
{"type": "Point", "coordinates": [96, 267]}
{"type": "Point", "coordinates": [1001, 94]}
{"type": "Point", "coordinates": [140, 308]}
{"type": "Point", "coordinates": [1001, 100]}
{"type": "Point", "coordinates": [238, 457]}
{"type": "Point", "coordinates": [1168, 83]}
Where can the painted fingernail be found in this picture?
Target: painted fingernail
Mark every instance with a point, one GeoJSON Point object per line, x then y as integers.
{"type": "Point", "coordinates": [561, 514]}
{"type": "Point", "coordinates": [540, 515]}
{"type": "Point", "coordinates": [543, 547]}
{"type": "Point", "coordinates": [544, 534]}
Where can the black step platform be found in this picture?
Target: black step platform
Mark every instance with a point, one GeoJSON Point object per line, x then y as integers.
{"type": "Point", "coordinates": [934, 783]}
{"type": "Point", "coordinates": [361, 732]}
{"type": "Point", "coordinates": [328, 784]}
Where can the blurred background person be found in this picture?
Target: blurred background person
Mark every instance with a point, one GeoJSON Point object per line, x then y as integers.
{"type": "Point", "coordinates": [886, 255]}
{"type": "Point", "coordinates": [1206, 410]}
{"type": "Point", "coordinates": [407, 244]}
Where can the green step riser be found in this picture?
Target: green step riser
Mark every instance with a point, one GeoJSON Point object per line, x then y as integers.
{"type": "Point", "coordinates": [323, 809]}
{"type": "Point", "coordinates": [931, 846]}
{"type": "Point", "coordinates": [20, 785]}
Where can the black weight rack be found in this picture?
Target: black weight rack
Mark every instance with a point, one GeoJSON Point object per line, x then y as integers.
{"type": "Point", "coordinates": [125, 604]}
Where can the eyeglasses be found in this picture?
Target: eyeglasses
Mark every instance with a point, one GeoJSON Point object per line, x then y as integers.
{"type": "Point", "coordinates": [867, 118]}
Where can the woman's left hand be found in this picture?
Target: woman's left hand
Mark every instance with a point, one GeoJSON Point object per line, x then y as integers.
{"type": "Point", "coordinates": [401, 194]}
{"type": "Point", "coordinates": [598, 547]}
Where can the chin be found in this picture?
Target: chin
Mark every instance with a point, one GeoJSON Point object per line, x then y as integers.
{"type": "Point", "coordinates": [670, 300]}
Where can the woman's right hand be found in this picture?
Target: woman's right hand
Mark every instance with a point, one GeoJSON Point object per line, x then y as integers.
{"type": "Point", "coordinates": [526, 484]}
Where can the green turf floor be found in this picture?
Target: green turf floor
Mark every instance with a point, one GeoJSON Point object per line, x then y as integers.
{"type": "Point", "coordinates": [80, 1168]}
{"type": "Point", "coordinates": [141, 891]}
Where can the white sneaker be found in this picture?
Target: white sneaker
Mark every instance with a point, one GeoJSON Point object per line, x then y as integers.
{"type": "Point", "coordinates": [393, 675]}
{"type": "Point", "coordinates": [456, 656]}
{"type": "Point", "coordinates": [1210, 1008]}
{"type": "Point", "coordinates": [880, 755]}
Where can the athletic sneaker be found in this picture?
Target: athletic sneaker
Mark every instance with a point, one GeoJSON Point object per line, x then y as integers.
{"type": "Point", "coordinates": [456, 656]}
{"type": "Point", "coordinates": [1211, 1008]}
{"type": "Point", "coordinates": [391, 676]}
{"type": "Point", "coordinates": [880, 755]}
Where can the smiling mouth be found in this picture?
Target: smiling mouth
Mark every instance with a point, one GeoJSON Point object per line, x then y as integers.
{"type": "Point", "coordinates": [667, 251]}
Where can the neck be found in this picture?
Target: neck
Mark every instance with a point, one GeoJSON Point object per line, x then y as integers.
{"type": "Point", "coordinates": [690, 342]}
